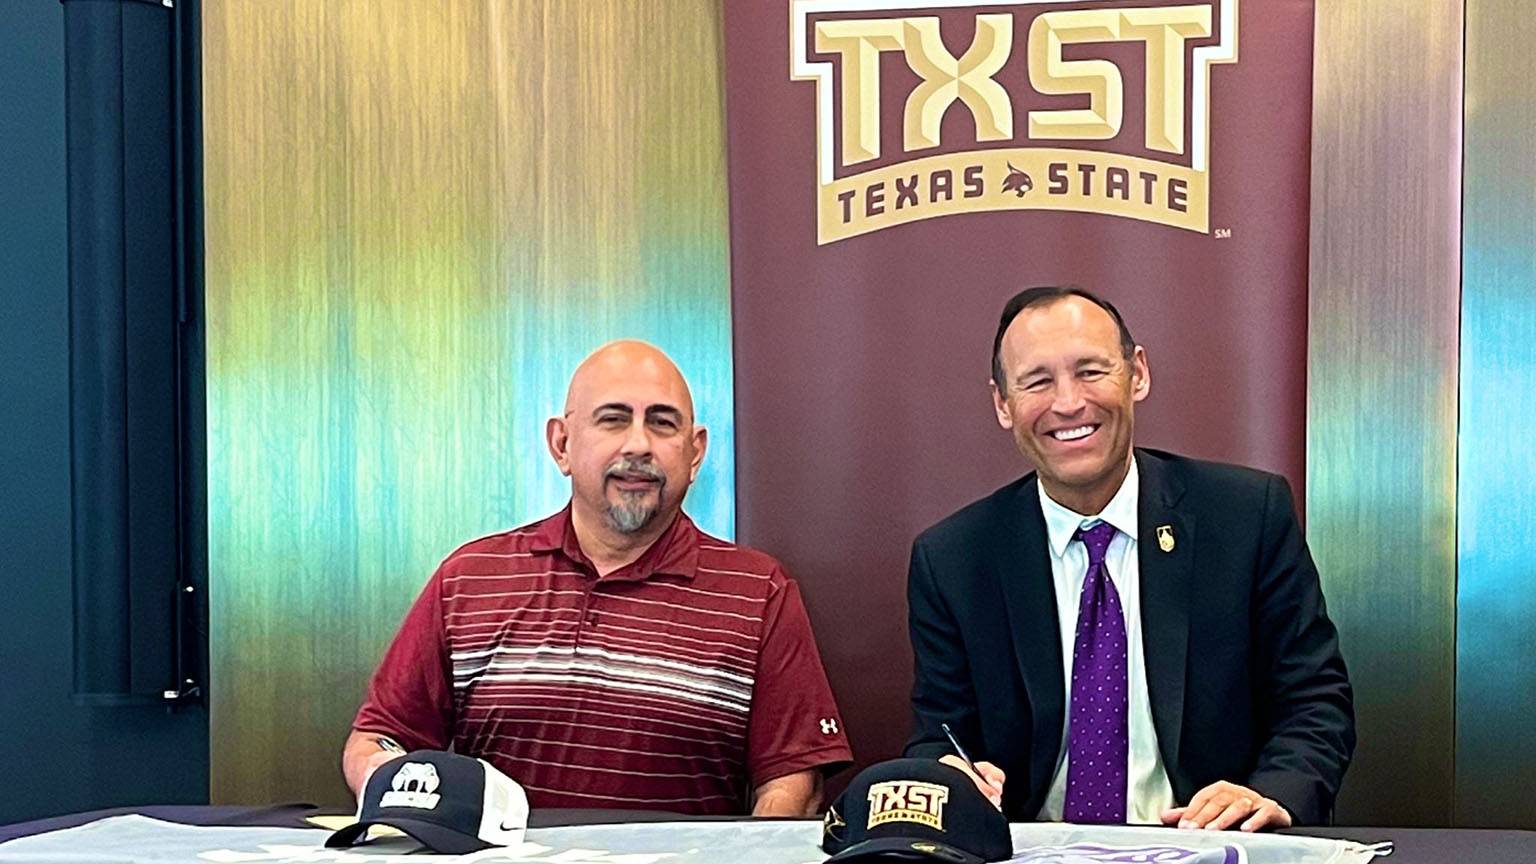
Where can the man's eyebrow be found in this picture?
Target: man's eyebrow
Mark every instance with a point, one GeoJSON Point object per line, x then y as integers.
{"type": "Point", "coordinates": [612, 406]}
{"type": "Point", "coordinates": [664, 409]}
{"type": "Point", "coordinates": [1029, 373]}
{"type": "Point", "coordinates": [1041, 369]}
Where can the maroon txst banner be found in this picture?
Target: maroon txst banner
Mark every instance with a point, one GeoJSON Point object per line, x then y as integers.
{"type": "Point", "coordinates": [898, 170]}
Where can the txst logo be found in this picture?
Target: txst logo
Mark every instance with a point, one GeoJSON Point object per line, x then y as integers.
{"type": "Point", "coordinates": [907, 801]}
{"type": "Point", "coordinates": [1042, 90]}
{"type": "Point", "coordinates": [414, 785]}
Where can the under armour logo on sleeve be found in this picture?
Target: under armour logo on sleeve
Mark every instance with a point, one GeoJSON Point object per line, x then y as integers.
{"type": "Point", "coordinates": [828, 726]}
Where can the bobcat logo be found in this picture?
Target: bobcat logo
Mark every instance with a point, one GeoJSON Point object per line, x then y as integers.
{"type": "Point", "coordinates": [414, 785]}
{"type": "Point", "coordinates": [830, 825]}
{"type": "Point", "coordinates": [1017, 181]}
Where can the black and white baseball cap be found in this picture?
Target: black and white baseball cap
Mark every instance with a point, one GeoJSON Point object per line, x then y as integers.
{"type": "Point", "coordinates": [914, 810]}
{"type": "Point", "coordinates": [449, 803]}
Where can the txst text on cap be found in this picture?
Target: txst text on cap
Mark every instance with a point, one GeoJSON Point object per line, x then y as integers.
{"type": "Point", "coordinates": [918, 810]}
{"type": "Point", "coordinates": [449, 803]}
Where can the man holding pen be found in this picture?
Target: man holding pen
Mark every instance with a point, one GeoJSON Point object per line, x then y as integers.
{"type": "Point", "coordinates": [1124, 635]}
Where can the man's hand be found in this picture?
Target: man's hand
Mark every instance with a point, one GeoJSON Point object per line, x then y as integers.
{"type": "Point", "coordinates": [360, 756]}
{"type": "Point", "coordinates": [372, 762]}
{"type": "Point", "coordinates": [1220, 805]}
{"type": "Point", "coordinates": [990, 780]}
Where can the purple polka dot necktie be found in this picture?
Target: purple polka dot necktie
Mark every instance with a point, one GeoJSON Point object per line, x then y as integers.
{"type": "Point", "coordinates": [1098, 730]}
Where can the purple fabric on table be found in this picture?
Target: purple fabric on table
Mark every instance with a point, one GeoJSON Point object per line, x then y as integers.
{"type": "Point", "coordinates": [1094, 853]}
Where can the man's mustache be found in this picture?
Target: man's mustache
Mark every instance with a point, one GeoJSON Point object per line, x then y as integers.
{"type": "Point", "coordinates": [631, 469]}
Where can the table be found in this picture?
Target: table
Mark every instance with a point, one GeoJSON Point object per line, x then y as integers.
{"type": "Point", "coordinates": [1412, 845]}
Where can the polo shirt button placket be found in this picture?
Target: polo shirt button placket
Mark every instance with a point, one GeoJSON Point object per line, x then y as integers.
{"type": "Point", "coordinates": [588, 610]}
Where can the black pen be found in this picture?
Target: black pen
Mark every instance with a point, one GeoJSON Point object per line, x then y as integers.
{"type": "Point", "coordinates": [959, 751]}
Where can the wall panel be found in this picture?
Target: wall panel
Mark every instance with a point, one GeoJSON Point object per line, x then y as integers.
{"type": "Point", "coordinates": [1496, 495]}
{"type": "Point", "coordinates": [420, 217]}
{"type": "Point", "coordinates": [1381, 417]}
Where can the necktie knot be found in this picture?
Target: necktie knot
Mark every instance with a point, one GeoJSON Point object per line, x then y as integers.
{"type": "Point", "coordinates": [1096, 540]}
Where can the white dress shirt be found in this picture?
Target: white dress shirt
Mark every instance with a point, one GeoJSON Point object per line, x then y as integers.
{"type": "Point", "coordinates": [1148, 792]}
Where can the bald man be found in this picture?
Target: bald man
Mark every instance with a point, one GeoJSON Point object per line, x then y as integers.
{"type": "Point", "coordinates": [613, 655]}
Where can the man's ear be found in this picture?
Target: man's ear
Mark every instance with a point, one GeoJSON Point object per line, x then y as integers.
{"type": "Point", "coordinates": [1141, 375]}
{"type": "Point", "coordinates": [1000, 405]}
{"type": "Point", "coordinates": [700, 444]}
{"type": "Point", "coordinates": [558, 436]}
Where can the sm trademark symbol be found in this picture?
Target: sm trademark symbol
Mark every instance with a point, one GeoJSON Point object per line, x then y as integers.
{"type": "Point", "coordinates": [1223, 233]}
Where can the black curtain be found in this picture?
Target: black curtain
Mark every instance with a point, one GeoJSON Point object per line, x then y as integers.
{"type": "Point", "coordinates": [136, 357]}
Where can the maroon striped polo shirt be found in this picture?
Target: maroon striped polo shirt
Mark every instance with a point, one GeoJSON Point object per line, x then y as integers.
{"type": "Point", "coordinates": [679, 682]}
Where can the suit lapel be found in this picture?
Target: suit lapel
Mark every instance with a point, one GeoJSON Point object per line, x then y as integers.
{"type": "Point", "coordinates": [1022, 566]}
{"type": "Point", "coordinates": [1166, 579]}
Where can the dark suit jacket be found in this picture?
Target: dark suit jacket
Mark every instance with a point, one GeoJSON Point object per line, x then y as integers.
{"type": "Point", "coordinates": [1243, 667]}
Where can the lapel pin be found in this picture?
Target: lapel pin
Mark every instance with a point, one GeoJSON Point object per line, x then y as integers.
{"type": "Point", "coordinates": [1165, 538]}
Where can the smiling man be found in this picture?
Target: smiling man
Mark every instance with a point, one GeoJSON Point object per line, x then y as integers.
{"type": "Point", "coordinates": [1123, 635]}
{"type": "Point", "coordinates": [613, 655]}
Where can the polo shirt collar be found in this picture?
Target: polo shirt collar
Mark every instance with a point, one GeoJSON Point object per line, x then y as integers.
{"type": "Point", "coordinates": [675, 552]}
{"type": "Point", "coordinates": [1062, 522]}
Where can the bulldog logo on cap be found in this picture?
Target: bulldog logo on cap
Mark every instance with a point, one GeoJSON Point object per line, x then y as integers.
{"type": "Point", "coordinates": [414, 785]}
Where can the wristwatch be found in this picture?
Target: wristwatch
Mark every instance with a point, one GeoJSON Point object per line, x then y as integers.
{"type": "Point", "coordinates": [387, 743]}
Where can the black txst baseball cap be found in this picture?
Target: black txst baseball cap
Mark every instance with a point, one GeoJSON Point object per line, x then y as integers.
{"type": "Point", "coordinates": [449, 803]}
{"type": "Point", "coordinates": [914, 810]}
